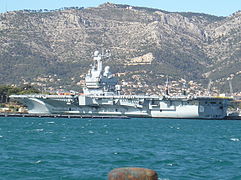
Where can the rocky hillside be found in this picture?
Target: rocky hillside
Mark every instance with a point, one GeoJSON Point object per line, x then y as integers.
{"type": "Point", "coordinates": [54, 48]}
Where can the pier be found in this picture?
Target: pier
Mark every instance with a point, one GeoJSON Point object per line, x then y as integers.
{"type": "Point", "coordinates": [58, 116]}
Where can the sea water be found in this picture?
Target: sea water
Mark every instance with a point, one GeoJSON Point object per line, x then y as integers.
{"type": "Point", "coordinates": [87, 149]}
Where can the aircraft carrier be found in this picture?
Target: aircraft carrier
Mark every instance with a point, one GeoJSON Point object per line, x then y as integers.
{"type": "Point", "coordinates": [102, 97]}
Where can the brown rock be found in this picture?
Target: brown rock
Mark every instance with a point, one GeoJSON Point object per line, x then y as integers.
{"type": "Point", "coordinates": [132, 173]}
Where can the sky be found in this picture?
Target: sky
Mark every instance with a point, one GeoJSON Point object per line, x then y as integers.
{"type": "Point", "coordinates": [213, 7]}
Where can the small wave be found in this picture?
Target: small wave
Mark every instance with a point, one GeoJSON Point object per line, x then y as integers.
{"type": "Point", "coordinates": [91, 132]}
{"type": "Point", "coordinates": [174, 127]}
{"type": "Point", "coordinates": [1, 136]}
{"type": "Point", "coordinates": [49, 132]}
{"type": "Point", "coordinates": [234, 139]}
{"type": "Point", "coordinates": [39, 130]}
{"type": "Point", "coordinates": [51, 122]}
{"type": "Point", "coordinates": [37, 162]}
{"type": "Point", "coordinates": [63, 139]}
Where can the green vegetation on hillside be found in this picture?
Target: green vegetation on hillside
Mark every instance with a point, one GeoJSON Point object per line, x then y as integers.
{"type": "Point", "coordinates": [9, 90]}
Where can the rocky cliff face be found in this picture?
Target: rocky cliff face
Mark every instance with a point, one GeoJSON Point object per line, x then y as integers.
{"type": "Point", "coordinates": [59, 44]}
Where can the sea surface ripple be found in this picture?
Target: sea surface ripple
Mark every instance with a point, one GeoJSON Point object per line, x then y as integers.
{"type": "Point", "coordinates": [87, 149]}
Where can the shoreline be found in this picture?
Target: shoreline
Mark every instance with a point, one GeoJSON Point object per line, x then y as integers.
{"type": "Point", "coordinates": [85, 116]}
{"type": "Point", "coordinates": [58, 116]}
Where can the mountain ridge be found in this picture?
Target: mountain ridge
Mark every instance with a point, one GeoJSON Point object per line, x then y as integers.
{"type": "Point", "coordinates": [60, 43]}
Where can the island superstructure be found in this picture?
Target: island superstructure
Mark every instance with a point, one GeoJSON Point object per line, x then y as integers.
{"type": "Point", "coordinates": [102, 97]}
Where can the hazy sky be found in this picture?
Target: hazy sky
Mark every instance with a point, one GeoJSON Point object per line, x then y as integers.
{"type": "Point", "coordinates": [214, 7]}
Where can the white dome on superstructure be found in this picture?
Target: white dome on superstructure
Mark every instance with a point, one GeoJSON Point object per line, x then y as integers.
{"type": "Point", "coordinates": [107, 69]}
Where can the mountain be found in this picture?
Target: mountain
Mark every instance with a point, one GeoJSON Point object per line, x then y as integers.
{"type": "Point", "coordinates": [54, 48]}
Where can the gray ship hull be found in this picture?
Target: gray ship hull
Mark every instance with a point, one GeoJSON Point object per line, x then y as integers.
{"type": "Point", "coordinates": [130, 106]}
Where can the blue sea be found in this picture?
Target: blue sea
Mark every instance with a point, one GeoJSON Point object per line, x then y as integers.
{"type": "Point", "coordinates": [87, 149]}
